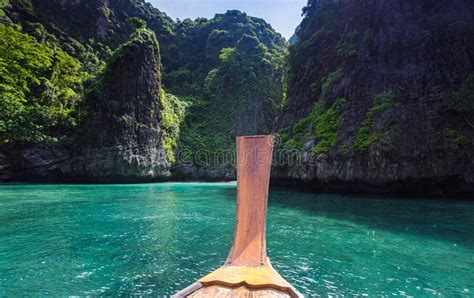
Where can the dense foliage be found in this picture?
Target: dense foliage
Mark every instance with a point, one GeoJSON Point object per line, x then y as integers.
{"type": "Point", "coordinates": [222, 71]}
{"type": "Point", "coordinates": [172, 115]}
{"type": "Point", "coordinates": [40, 88]}
{"type": "Point", "coordinates": [248, 79]}
{"type": "Point", "coordinates": [3, 4]}
{"type": "Point", "coordinates": [197, 51]}
{"type": "Point", "coordinates": [321, 124]}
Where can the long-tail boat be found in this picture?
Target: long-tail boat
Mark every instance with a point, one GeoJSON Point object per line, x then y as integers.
{"type": "Point", "coordinates": [247, 272]}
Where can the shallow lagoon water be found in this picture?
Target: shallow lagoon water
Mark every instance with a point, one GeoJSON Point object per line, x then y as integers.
{"type": "Point", "coordinates": [158, 238]}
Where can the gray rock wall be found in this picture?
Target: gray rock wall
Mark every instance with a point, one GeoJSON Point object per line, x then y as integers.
{"type": "Point", "coordinates": [419, 51]}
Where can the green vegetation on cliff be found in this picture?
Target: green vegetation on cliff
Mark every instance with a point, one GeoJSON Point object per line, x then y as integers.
{"type": "Point", "coordinates": [40, 89]}
{"type": "Point", "coordinates": [366, 136]}
{"type": "Point", "coordinates": [234, 75]}
{"type": "Point", "coordinates": [457, 138]}
{"type": "Point", "coordinates": [3, 4]}
{"type": "Point", "coordinates": [229, 69]}
{"type": "Point", "coordinates": [321, 123]}
{"type": "Point", "coordinates": [461, 99]}
{"type": "Point", "coordinates": [172, 115]}
{"type": "Point", "coordinates": [197, 51]}
{"type": "Point", "coordinates": [127, 95]}
{"type": "Point", "coordinates": [241, 96]}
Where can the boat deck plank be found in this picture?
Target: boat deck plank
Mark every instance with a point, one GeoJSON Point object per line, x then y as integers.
{"type": "Point", "coordinates": [243, 291]}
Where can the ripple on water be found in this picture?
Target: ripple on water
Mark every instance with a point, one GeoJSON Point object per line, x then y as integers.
{"type": "Point", "coordinates": [154, 239]}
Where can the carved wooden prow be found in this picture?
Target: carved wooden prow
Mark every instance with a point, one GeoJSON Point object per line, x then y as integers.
{"type": "Point", "coordinates": [254, 158]}
{"type": "Point", "coordinates": [247, 271]}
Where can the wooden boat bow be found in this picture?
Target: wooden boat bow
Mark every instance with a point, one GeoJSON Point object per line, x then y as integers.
{"type": "Point", "coordinates": [247, 271]}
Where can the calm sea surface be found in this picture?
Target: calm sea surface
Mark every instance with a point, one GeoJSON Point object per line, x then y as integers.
{"type": "Point", "coordinates": [156, 239]}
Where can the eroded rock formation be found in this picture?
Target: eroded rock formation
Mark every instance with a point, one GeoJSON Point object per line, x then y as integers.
{"type": "Point", "coordinates": [122, 140]}
{"type": "Point", "coordinates": [369, 83]}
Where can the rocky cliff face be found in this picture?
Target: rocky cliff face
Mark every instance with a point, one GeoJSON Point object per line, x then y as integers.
{"type": "Point", "coordinates": [228, 68]}
{"type": "Point", "coordinates": [245, 94]}
{"type": "Point", "coordinates": [122, 140]}
{"type": "Point", "coordinates": [261, 87]}
{"type": "Point", "coordinates": [125, 126]}
{"type": "Point", "coordinates": [379, 98]}
{"type": "Point", "coordinates": [368, 97]}
{"type": "Point", "coordinates": [92, 17]}
{"type": "Point", "coordinates": [82, 27]}
{"type": "Point", "coordinates": [240, 94]}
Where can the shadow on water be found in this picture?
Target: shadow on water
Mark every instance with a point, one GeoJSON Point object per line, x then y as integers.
{"type": "Point", "coordinates": [446, 220]}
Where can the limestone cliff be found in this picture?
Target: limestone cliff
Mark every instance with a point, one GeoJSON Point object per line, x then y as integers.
{"type": "Point", "coordinates": [370, 83]}
{"type": "Point", "coordinates": [126, 108]}
{"type": "Point", "coordinates": [379, 100]}
{"type": "Point", "coordinates": [121, 139]}
{"type": "Point", "coordinates": [228, 69]}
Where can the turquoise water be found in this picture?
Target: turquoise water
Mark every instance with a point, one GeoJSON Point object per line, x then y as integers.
{"type": "Point", "coordinates": [158, 238]}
